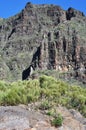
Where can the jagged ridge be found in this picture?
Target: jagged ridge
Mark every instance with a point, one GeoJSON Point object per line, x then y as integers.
{"type": "Point", "coordinates": [43, 37]}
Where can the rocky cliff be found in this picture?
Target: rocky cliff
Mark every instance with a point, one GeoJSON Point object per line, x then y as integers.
{"type": "Point", "coordinates": [43, 37]}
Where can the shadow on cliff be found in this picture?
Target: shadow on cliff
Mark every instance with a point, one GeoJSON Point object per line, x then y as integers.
{"type": "Point", "coordinates": [26, 73]}
{"type": "Point", "coordinates": [34, 64]}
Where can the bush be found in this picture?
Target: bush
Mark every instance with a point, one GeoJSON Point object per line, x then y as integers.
{"type": "Point", "coordinates": [15, 96]}
{"type": "Point", "coordinates": [45, 105]}
{"type": "Point", "coordinates": [46, 89]}
{"type": "Point", "coordinates": [57, 121]}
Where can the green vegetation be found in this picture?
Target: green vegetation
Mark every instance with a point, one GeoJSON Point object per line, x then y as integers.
{"type": "Point", "coordinates": [57, 118]}
{"type": "Point", "coordinates": [45, 105]}
{"type": "Point", "coordinates": [60, 76]}
{"type": "Point", "coordinates": [47, 90]}
{"type": "Point", "coordinates": [57, 121]}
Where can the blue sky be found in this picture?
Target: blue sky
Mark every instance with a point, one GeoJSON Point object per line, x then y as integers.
{"type": "Point", "coordinates": [11, 7]}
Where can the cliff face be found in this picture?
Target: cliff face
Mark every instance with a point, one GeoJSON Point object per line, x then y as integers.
{"type": "Point", "coordinates": [43, 37]}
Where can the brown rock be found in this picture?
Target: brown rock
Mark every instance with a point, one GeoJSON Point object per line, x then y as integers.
{"type": "Point", "coordinates": [43, 37]}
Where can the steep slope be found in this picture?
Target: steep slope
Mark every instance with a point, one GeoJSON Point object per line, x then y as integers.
{"type": "Point", "coordinates": [43, 37]}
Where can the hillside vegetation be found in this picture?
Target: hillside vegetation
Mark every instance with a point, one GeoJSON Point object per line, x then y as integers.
{"type": "Point", "coordinates": [48, 90]}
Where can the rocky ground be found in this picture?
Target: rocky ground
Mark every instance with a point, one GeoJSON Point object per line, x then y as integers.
{"type": "Point", "coordinates": [26, 118]}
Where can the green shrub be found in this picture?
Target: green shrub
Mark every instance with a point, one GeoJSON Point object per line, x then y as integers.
{"type": "Point", "coordinates": [46, 81]}
{"type": "Point", "coordinates": [15, 96]}
{"type": "Point", "coordinates": [57, 121]}
{"type": "Point", "coordinates": [4, 86]}
{"type": "Point", "coordinates": [45, 105]}
{"type": "Point", "coordinates": [47, 90]}
{"type": "Point", "coordinates": [52, 112]}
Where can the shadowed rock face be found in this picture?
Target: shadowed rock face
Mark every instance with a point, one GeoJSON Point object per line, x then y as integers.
{"type": "Point", "coordinates": [45, 37]}
{"type": "Point", "coordinates": [73, 13]}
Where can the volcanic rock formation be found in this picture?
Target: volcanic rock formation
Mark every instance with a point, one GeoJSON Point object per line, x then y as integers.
{"type": "Point", "coordinates": [43, 37]}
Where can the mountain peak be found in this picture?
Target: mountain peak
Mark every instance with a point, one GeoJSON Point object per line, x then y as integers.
{"type": "Point", "coordinates": [71, 12]}
{"type": "Point", "coordinates": [43, 37]}
{"type": "Point", "coordinates": [29, 4]}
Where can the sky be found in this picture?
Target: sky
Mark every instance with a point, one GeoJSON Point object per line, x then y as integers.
{"type": "Point", "coordinates": [9, 8]}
